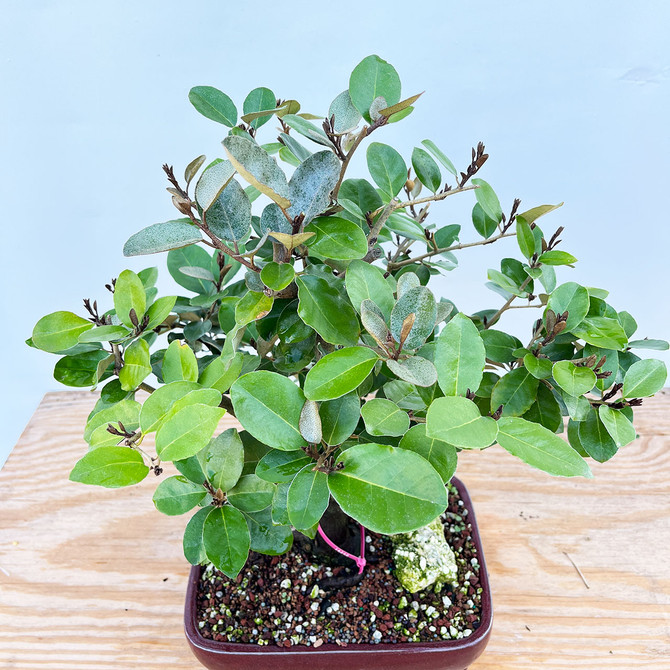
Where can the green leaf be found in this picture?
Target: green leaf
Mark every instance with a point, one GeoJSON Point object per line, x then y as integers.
{"type": "Point", "coordinates": [405, 227]}
{"type": "Point", "coordinates": [535, 213]}
{"type": "Point", "coordinates": [308, 497]}
{"type": "Point", "coordinates": [347, 117]}
{"type": "Point", "coordinates": [125, 410]}
{"type": "Point", "coordinates": [339, 373]}
{"type": "Point", "coordinates": [226, 538]}
{"type": "Point", "coordinates": [545, 410]}
{"type": "Point", "coordinates": [212, 182]}
{"type": "Point", "coordinates": [362, 194]}
{"type": "Point", "coordinates": [578, 407]}
{"type": "Point", "coordinates": [658, 345]}
{"type": "Point", "coordinates": [516, 392]}
{"type": "Point", "coordinates": [420, 302]}
{"type": "Point", "coordinates": [277, 276]}
{"type": "Point", "coordinates": [162, 237]}
{"type": "Point", "coordinates": [366, 282]}
{"type": "Point", "coordinates": [292, 145]}
{"type": "Point", "coordinates": [129, 295]}
{"type": "Point", "coordinates": [177, 495]}
{"type": "Point", "coordinates": [373, 321]}
{"type": "Point", "coordinates": [445, 237]}
{"type": "Point", "coordinates": [460, 356]}
{"type": "Point", "coordinates": [311, 184]}
{"type": "Point", "coordinates": [617, 425]}
{"type": "Point", "coordinates": [159, 403]}
{"type": "Point", "coordinates": [136, 365]}
{"type": "Point", "coordinates": [229, 217]}
{"type": "Point", "coordinates": [279, 509]}
{"type": "Point", "coordinates": [426, 169]}
{"type": "Point", "coordinates": [482, 222]}
{"type": "Point", "coordinates": [630, 325]}
{"type": "Point", "coordinates": [525, 237]}
{"type": "Point", "coordinates": [179, 363]}
{"type": "Point", "coordinates": [415, 370]}
{"type": "Point", "coordinates": [601, 331]}
{"type": "Point", "coordinates": [307, 129]}
{"type": "Point", "coordinates": [185, 432]}
{"type": "Point", "coordinates": [441, 455]}
{"type": "Point", "coordinates": [322, 307]}
{"type": "Point", "coordinates": [485, 389]}
{"type": "Point", "coordinates": [572, 379]}
{"type": "Point", "coordinates": [252, 306]}
{"type": "Point", "coordinates": [387, 168]}
{"type": "Point", "coordinates": [159, 311]}
{"type": "Point", "coordinates": [383, 417]}
{"type": "Point", "coordinates": [223, 460]}
{"type": "Point", "coordinates": [488, 200]}
{"type": "Point", "coordinates": [388, 490]}
{"type": "Point", "coordinates": [644, 378]}
{"type": "Point", "coordinates": [258, 168]}
{"type": "Point", "coordinates": [500, 346]}
{"type": "Point", "coordinates": [282, 466]}
{"type": "Point", "coordinates": [595, 439]}
{"type": "Point", "coordinates": [337, 238]}
{"type": "Point", "coordinates": [59, 331]}
{"type": "Point", "coordinates": [508, 285]}
{"type": "Point", "coordinates": [258, 100]}
{"type": "Point", "coordinates": [339, 418]}
{"type": "Point", "coordinates": [267, 537]}
{"type": "Point", "coordinates": [226, 315]}
{"type": "Point", "coordinates": [192, 544]}
{"type": "Point", "coordinates": [372, 78]}
{"type": "Point", "coordinates": [214, 105]}
{"type": "Point", "coordinates": [538, 367]}
{"type": "Point", "coordinates": [268, 405]}
{"type": "Point", "coordinates": [573, 299]}
{"type": "Point", "coordinates": [457, 420]}
{"type": "Point", "coordinates": [251, 494]}
{"type": "Point", "coordinates": [557, 257]}
{"type": "Point", "coordinates": [222, 372]}
{"type": "Point", "coordinates": [540, 448]}
{"type": "Point", "coordinates": [111, 467]}
{"type": "Point", "coordinates": [404, 395]}
{"type": "Point", "coordinates": [440, 157]}
{"type": "Point", "coordinates": [190, 257]}
{"type": "Point", "coordinates": [80, 370]}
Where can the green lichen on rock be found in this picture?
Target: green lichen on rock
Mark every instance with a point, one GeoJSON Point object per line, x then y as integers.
{"type": "Point", "coordinates": [423, 558]}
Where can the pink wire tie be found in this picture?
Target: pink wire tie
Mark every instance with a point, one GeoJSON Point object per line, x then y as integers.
{"type": "Point", "coordinates": [359, 560]}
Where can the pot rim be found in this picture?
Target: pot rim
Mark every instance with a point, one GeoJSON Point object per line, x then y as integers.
{"type": "Point", "coordinates": [246, 649]}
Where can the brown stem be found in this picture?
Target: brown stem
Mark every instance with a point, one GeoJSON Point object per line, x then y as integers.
{"type": "Point", "coordinates": [455, 247]}
{"type": "Point", "coordinates": [506, 306]}
{"type": "Point", "coordinates": [345, 164]}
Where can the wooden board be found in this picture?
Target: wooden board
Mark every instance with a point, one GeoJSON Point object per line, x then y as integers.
{"type": "Point", "coordinates": [95, 579]}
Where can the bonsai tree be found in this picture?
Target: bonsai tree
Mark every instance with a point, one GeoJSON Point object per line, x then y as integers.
{"type": "Point", "coordinates": [307, 315]}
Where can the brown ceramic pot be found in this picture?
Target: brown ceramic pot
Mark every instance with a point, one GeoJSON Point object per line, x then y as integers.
{"type": "Point", "coordinates": [442, 655]}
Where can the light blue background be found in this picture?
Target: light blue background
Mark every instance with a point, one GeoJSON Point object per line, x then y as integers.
{"type": "Point", "coordinates": [571, 99]}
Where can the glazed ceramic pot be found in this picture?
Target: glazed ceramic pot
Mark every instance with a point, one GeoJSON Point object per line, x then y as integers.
{"type": "Point", "coordinates": [440, 655]}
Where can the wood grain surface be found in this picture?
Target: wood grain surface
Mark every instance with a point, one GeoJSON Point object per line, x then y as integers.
{"type": "Point", "coordinates": [94, 579]}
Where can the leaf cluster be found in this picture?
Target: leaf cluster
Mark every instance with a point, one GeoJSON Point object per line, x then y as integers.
{"type": "Point", "coordinates": [306, 313]}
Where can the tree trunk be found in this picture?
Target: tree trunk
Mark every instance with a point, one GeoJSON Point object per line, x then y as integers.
{"type": "Point", "coordinates": [341, 529]}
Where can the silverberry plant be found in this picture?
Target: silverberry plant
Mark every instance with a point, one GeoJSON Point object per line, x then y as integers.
{"type": "Point", "coordinates": [307, 315]}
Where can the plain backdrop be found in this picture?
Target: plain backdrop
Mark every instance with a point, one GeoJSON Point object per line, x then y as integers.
{"type": "Point", "coordinates": [571, 99]}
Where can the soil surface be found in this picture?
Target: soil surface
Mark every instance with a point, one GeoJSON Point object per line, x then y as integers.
{"type": "Point", "coordinates": [285, 600]}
